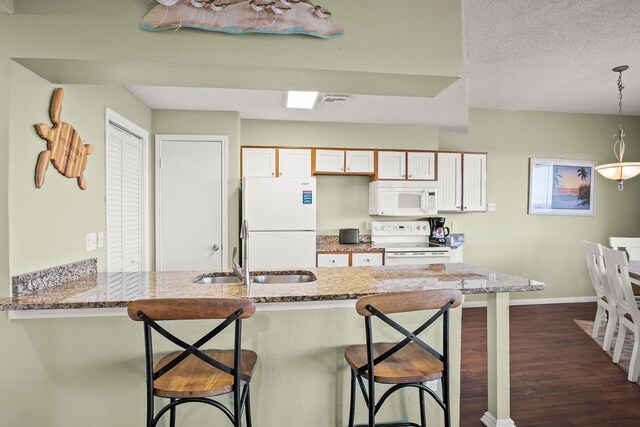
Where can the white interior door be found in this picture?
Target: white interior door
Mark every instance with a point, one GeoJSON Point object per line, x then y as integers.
{"type": "Point", "coordinates": [190, 203]}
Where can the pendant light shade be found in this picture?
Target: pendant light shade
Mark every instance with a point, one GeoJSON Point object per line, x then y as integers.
{"type": "Point", "coordinates": [621, 170]}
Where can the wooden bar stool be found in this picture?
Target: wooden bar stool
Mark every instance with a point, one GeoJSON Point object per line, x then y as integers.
{"type": "Point", "coordinates": [196, 375]}
{"type": "Point", "coordinates": [409, 363]}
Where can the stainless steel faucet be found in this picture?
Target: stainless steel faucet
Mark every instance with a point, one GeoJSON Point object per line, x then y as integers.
{"type": "Point", "coordinates": [243, 272]}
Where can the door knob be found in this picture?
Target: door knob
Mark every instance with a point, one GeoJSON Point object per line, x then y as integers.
{"type": "Point", "coordinates": [215, 248]}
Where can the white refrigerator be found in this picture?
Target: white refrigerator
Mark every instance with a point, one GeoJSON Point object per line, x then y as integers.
{"type": "Point", "coordinates": [281, 218]}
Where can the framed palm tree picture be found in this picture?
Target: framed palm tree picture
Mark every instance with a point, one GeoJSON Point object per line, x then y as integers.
{"type": "Point", "coordinates": [561, 187]}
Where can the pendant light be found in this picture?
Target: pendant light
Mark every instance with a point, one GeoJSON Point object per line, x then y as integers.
{"type": "Point", "coordinates": [621, 170]}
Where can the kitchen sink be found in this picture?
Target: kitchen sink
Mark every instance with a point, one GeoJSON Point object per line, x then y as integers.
{"type": "Point", "coordinates": [259, 277]}
{"type": "Point", "coordinates": [209, 280]}
{"type": "Point", "coordinates": [284, 278]}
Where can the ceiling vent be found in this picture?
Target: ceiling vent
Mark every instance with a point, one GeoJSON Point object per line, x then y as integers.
{"type": "Point", "coordinates": [335, 98]}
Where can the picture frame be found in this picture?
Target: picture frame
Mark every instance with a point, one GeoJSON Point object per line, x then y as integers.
{"type": "Point", "coordinates": [561, 187]}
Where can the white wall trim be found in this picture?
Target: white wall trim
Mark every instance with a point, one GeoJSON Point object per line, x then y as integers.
{"type": "Point", "coordinates": [490, 421]}
{"type": "Point", "coordinates": [121, 121]}
{"type": "Point", "coordinates": [538, 301]}
{"type": "Point", "coordinates": [225, 189]}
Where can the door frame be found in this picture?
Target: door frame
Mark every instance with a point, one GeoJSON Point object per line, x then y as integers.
{"type": "Point", "coordinates": [127, 125]}
{"type": "Point", "coordinates": [224, 140]}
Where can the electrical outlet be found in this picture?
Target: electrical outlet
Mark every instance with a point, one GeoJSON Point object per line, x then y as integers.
{"type": "Point", "coordinates": [454, 226]}
{"type": "Point", "coordinates": [100, 239]}
{"type": "Point", "coordinates": [368, 225]}
{"type": "Point", "coordinates": [91, 242]}
{"type": "Point", "coordinates": [492, 207]}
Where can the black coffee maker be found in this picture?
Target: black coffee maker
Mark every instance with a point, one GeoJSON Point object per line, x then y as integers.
{"type": "Point", "coordinates": [439, 232]}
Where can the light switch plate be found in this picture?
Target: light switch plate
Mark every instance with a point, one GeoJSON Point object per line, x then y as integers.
{"type": "Point", "coordinates": [100, 239]}
{"type": "Point", "coordinates": [492, 207]}
{"type": "Point", "coordinates": [90, 242]}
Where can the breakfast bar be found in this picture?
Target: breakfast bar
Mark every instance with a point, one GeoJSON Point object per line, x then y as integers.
{"type": "Point", "coordinates": [300, 330]}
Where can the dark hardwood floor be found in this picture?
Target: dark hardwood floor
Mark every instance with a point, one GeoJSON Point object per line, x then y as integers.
{"type": "Point", "coordinates": [559, 377]}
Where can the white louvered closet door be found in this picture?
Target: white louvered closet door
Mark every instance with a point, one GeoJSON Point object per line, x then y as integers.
{"type": "Point", "coordinates": [124, 201]}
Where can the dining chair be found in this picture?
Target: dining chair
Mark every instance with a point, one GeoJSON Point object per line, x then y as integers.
{"type": "Point", "coordinates": [196, 375]}
{"type": "Point", "coordinates": [605, 298]}
{"type": "Point", "coordinates": [408, 363]}
{"type": "Point", "coordinates": [616, 266]}
{"type": "Point", "coordinates": [631, 245]}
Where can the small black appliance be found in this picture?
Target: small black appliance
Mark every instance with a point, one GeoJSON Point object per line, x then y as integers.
{"type": "Point", "coordinates": [439, 232]}
{"type": "Point", "coordinates": [349, 235]}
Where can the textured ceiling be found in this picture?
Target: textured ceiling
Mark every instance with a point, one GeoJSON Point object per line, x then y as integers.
{"type": "Point", "coordinates": [549, 55]}
{"type": "Point", "coordinates": [537, 55]}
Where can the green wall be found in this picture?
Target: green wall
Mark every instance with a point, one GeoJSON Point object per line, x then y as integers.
{"type": "Point", "coordinates": [48, 225]}
{"type": "Point", "coordinates": [542, 247]}
{"type": "Point", "coordinates": [343, 202]}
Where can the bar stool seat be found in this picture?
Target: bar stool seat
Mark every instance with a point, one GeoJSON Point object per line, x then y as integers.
{"type": "Point", "coordinates": [194, 377]}
{"type": "Point", "coordinates": [410, 364]}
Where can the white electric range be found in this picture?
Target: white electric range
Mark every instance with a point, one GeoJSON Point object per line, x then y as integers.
{"type": "Point", "coordinates": [407, 242]}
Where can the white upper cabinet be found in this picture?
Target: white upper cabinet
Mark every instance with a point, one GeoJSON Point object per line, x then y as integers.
{"type": "Point", "coordinates": [421, 165]}
{"type": "Point", "coordinates": [360, 161]}
{"type": "Point", "coordinates": [462, 182]}
{"type": "Point", "coordinates": [449, 181]}
{"type": "Point", "coordinates": [259, 162]}
{"type": "Point", "coordinates": [392, 165]}
{"type": "Point", "coordinates": [294, 162]}
{"type": "Point", "coordinates": [474, 182]}
{"type": "Point", "coordinates": [331, 161]}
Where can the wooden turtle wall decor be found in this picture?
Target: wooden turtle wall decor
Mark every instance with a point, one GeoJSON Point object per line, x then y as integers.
{"type": "Point", "coordinates": [65, 148]}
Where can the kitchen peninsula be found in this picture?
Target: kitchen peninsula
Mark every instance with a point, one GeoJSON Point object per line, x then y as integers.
{"type": "Point", "coordinates": [302, 374]}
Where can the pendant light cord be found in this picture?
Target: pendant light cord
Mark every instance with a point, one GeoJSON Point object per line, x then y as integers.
{"type": "Point", "coordinates": [618, 146]}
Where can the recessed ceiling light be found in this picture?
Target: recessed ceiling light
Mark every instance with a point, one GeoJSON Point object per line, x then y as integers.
{"type": "Point", "coordinates": [301, 99]}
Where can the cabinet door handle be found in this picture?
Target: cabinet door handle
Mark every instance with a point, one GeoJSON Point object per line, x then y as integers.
{"type": "Point", "coordinates": [349, 169]}
{"type": "Point", "coordinates": [273, 174]}
{"type": "Point", "coordinates": [280, 173]}
{"type": "Point", "coordinates": [342, 169]}
{"type": "Point", "coordinates": [409, 176]}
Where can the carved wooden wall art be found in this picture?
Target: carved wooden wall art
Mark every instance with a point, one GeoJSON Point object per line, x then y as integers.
{"type": "Point", "coordinates": [65, 148]}
{"type": "Point", "coordinates": [243, 16]}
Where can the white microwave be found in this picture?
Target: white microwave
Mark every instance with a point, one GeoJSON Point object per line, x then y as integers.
{"type": "Point", "coordinates": [403, 198]}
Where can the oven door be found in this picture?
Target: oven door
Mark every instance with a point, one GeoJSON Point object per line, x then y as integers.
{"type": "Point", "coordinates": [420, 258]}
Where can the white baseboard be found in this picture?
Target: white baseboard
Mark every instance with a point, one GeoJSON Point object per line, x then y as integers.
{"type": "Point", "coordinates": [564, 300]}
{"type": "Point", "coordinates": [491, 421]}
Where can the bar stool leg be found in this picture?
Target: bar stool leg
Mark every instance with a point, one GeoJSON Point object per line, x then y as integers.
{"type": "Point", "coordinates": [423, 414]}
{"type": "Point", "coordinates": [352, 401]}
{"type": "Point", "coordinates": [372, 402]}
{"type": "Point", "coordinates": [248, 407]}
{"type": "Point", "coordinates": [172, 415]}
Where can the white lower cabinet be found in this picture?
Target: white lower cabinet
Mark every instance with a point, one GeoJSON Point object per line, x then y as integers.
{"type": "Point", "coordinates": [333, 260]}
{"type": "Point", "coordinates": [366, 258]}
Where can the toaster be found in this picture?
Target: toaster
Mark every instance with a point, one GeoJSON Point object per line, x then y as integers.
{"type": "Point", "coordinates": [349, 235]}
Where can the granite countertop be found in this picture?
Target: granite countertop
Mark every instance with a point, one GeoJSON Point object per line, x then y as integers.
{"type": "Point", "coordinates": [330, 244]}
{"type": "Point", "coordinates": [108, 290]}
